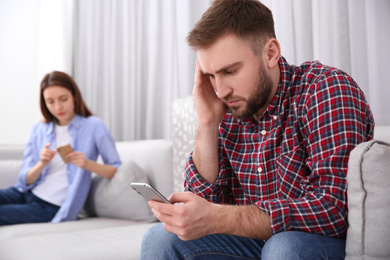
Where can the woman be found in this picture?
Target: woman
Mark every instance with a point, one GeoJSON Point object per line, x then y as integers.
{"type": "Point", "coordinates": [48, 189]}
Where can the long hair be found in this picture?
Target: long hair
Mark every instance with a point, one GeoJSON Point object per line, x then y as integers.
{"type": "Point", "coordinates": [247, 19]}
{"type": "Point", "coordinates": [61, 79]}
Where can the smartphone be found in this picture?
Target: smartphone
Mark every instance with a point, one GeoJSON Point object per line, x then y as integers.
{"type": "Point", "coordinates": [148, 192]}
{"type": "Point", "coordinates": [63, 151]}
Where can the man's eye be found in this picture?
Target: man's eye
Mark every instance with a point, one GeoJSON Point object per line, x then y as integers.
{"type": "Point", "coordinates": [230, 72]}
{"type": "Point", "coordinates": [211, 76]}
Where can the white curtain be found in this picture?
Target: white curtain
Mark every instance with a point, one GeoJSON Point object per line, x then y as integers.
{"type": "Point", "coordinates": [353, 35]}
{"type": "Point", "coordinates": [55, 36]}
{"type": "Point", "coordinates": [131, 59]}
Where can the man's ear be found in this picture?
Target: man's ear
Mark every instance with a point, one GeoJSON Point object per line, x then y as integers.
{"type": "Point", "coordinates": [272, 53]}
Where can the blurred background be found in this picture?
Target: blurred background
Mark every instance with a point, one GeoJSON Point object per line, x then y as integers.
{"type": "Point", "coordinates": [131, 60]}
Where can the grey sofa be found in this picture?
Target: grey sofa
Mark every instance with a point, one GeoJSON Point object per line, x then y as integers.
{"type": "Point", "coordinates": [368, 177]}
{"type": "Point", "coordinates": [115, 217]}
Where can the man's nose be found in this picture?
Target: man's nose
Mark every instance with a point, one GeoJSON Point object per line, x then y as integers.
{"type": "Point", "coordinates": [222, 88]}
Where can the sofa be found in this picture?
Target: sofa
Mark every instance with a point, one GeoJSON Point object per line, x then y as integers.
{"type": "Point", "coordinates": [115, 217]}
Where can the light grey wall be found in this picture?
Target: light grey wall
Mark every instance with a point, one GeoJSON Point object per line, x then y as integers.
{"type": "Point", "coordinates": [19, 82]}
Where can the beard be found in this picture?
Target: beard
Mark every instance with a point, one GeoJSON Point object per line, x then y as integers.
{"type": "Point", "coordinates": [257, 99]}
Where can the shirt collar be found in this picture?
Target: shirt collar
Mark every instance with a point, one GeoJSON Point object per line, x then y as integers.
{"type": "Point", "coordinates": [286, 72]}
{"type": "Point", "coordinates": [75, 122]}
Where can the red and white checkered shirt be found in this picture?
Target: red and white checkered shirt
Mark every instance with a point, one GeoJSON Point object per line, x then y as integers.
{"type": "Point", "coordinates": [293, 163]}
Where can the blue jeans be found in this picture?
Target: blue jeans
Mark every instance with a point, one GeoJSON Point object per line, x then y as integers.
{"type": "Point", "coordinates": [18, 207]}
{"type": "Point", "coordinates": [159, 244]}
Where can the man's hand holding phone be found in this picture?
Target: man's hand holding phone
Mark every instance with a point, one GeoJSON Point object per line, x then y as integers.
{"type": "Point", "coordinates": [190, 219]}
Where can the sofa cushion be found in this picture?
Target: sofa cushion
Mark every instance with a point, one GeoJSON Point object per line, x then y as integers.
{"type": "Point", "coordinates": [114, 198]}
{"type": "Point", "coordinates": [38, 229]}
{"type": "Point", "coordinates": [368, 201]}
{"type": "Point", "coordinates": [116, 242]}
{"type": "Point", "coordinates": [154, 157]}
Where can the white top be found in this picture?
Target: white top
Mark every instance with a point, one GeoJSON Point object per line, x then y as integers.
{"type": "Point", "coordinates": [54, 186]}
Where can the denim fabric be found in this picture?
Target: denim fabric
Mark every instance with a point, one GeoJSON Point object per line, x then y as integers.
{"type": "Point", "coordinates": [24, 207]}
{"type": "Point", "coordinates": [159, 244]}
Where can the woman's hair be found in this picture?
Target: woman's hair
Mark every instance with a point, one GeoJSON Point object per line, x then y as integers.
{"type": "Point", "coordinates": [61, 79]}
{"type": "Point", "coordinates": [247, 19]}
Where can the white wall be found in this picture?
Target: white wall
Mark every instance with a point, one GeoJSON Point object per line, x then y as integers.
{"type": "Point", "coordinates": [19, 79]}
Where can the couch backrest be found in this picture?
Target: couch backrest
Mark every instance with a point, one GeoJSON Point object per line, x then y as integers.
{"type": "Point", "coordinates": [11, 152]}
{"type": "Point", "coordinates": [154, 157]}
{"type": "Point", "coordinates": [10, 163]}
{"type": "Point", "coordinates": [382, 133]}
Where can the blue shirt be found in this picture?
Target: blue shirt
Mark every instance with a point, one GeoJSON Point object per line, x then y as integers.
{"type": "Point", "coordinates": [90, 136]}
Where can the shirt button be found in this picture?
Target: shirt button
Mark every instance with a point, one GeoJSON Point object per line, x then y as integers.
{"type": "Point", "coordinates": [275, 117]}
{"type": "Point", "coordinates": [259, 169]}
{"type": "Point", "coordinates": [263, 132]}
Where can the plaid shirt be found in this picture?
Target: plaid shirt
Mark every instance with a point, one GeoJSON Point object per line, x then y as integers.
{"type": "Point", "coordinates": [292, 164]}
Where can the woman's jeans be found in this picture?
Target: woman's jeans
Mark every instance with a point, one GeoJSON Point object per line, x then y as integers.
{"type": "Point", "coordinates": [18, 207]}
{"type": "Point", "coordinates": [159, 244]}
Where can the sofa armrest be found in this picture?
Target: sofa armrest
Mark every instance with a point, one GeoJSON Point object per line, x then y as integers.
{"type": "Point", "coordinates": [368, 201]}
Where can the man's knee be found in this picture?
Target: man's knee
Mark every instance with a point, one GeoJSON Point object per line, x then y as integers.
{"type": "Point", "coordinates": [280, 246]}
{"type": "Point", "coordinates": [157, 242]}
{"type": "Point", "coordinates": [300, 245]}
{"type": "Point", "coordinates": [154, 235]}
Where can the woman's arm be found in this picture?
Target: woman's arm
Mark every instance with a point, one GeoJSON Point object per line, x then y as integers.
{"type": "Point", "coordinates": [35, 171]}
{"type": "Point", "coordinates": [104, 170]}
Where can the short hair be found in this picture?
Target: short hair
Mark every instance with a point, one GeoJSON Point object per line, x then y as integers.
{"type": "Point", "coordinates": [247, 19]}
{"type": "Point", "coordinates": [61, 79]}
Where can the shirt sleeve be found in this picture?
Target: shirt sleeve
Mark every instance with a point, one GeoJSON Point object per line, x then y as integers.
{"type": "Point", "coordinates": [218, 192]}
{"type": "Point", "coordinates": [334, 118]}
{"type": "Point", "coordinates": [30, 158]}
{"type": "Point", "coordinates": [106, 146]}
{"type": "Point", "coordinates": [224, 189]}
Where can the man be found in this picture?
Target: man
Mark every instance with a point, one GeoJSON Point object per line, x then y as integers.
{"type": "Point", "coordinates": [267, 177]}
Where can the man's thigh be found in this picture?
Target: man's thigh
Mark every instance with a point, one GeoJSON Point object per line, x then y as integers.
{"type": "Point", "coordinates": [159, 244]}
{"type": "Point", "coordinates": [291, 245]}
